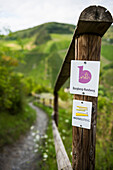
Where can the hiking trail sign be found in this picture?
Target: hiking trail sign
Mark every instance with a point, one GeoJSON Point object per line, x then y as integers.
{"type": "Point", "coordinates": [84, 77]}
{"type": "Point", "coordinates": [81, 116]}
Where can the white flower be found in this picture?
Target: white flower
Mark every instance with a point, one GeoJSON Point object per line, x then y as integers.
{"type": "Point", "coordinates": [66, 120]}
{"type": "Point", "coordinates": [45, 143]}
{"type": "Point", "coordinates": [45, 155]}
{"type": "Point", "coordinates": [45, 136]}
{"type": "Point", "coordinates": [63, 137]}
{"type": "Point", "coordinates": [33, 134]}
{"type": "Point", "coordinates": [36, 150]}
{"type": "Point", "coordinates": [49, 140]}
{"type": "Point", "coordinates": [37, 137]}
{"type": "Point", "coordinates": [64, 131]}
{"type": "Point", "coordinates": [32, 127]}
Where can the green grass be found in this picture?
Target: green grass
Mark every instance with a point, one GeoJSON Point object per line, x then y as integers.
{"type": "Point", "coordinates": [48, 148]}
{"type": "Point", "coordinates": [56, 37]}
{"type": "Point", "coordinates": [107, 52]}
{"type": "Point", "coordinates": [58, 42]}
{"type": "Point", "coordinates": [12, 126]}
{"type": "Point", "coordinates": [66, 135]}
{"type": "Point", "coordinates": [104, 146]}
{"type": "Point", "coordinates": [108, 77]}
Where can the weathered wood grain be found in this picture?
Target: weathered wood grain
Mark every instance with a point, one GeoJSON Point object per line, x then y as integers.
{"type": "Point", "coordinates": [87, 47]}
{"type": "Point", "coordinates": [96, 13]}
{"type": "Point", "coordinates": [61, 155]}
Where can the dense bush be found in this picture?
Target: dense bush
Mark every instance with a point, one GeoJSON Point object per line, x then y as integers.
{"type": "Point", "coordinates": [104, 146]}
{"type": "Point", "coordinates": [29, 85]}
{"type": "Point", "coordinates": [63, 95]}
{"type": "Point", "coordinates": [41, 89]}
{"type": "Point", "coordinates": [11, 87]}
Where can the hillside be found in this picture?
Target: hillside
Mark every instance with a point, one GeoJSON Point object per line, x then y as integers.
{"type": "Point", "coordinates": [52, 27]}
{"type": "Point", "coordinates": [44, 47]}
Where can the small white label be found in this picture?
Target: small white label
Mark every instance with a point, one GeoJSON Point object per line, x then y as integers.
{"type": "Point", "coordinates": [81, 116]}
{"type": "Point", "coordinates": [84, 77]}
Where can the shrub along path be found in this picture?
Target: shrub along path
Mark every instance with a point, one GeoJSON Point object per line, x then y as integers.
{"type": "Point", "coordinates": [23, 155]}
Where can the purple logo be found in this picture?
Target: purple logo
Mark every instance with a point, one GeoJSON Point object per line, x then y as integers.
{"type": "Point", "coordinates": [84, 75]}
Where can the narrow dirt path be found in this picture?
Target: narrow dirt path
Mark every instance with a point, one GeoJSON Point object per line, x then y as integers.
{"type": "Point", "coordinates": [23, 155]}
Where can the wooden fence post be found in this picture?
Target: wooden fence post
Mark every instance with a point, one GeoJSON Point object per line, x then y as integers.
{"type": "Point", "coordinates": [43, 101]}
{"type": "Point", "coordinates": [50, 102]}
{"type": "Point", "coordinates": [38, 99]}
{"type": "Point", "coordinates": [87, 47]}
{"type": "Point", "coordinates": [56, 107]}
{"type": "Point", "coordinates": [93, 23]}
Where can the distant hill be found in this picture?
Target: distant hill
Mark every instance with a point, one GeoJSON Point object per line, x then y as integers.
{"type": "Point", "coordinates": [51, 27]}
{"type": "Point", "coordinates": [45, 47]}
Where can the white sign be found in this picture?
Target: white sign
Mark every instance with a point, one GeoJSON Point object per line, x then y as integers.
{"type": "Point", "coordinates": [81, 116]}
{"type": "Point", "coordinates": [84, 77]}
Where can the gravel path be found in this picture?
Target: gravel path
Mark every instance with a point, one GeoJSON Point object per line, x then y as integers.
{"type": "Point", "coordinates": [23, 154]}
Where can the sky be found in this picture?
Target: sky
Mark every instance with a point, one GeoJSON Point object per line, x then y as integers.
{"type": "Point", "coordinates": [22, 14]}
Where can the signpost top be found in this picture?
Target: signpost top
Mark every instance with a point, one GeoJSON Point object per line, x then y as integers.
{"type": "Point", "coordinates": [94, 20]}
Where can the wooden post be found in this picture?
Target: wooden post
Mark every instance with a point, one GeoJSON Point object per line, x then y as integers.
{"type": "Point", "coordinates": [87, 47]}
{"type": "Point", "coordinates": [56, 107]}
{"type": "Point", "coordinates": [43, 101]}
{"type": "Point", "coordinates": [50, 102]}
{"type": "Point", "coordinates": [93, 23]}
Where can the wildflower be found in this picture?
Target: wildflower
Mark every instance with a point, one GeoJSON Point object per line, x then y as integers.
{"type": "Point", "coordinates": [33, 134]}
{"type": "Point", "coordinates": [45, 155]}
{"type": "Point", "coordinates": [67, 121]}
{"type": "Point", "coordinates": [64, 131]}
{"type": "Point", "coordinates": [63, 137]}
{"type": "Point", "coordinates": [37, 137]}
{"type": "Point", "coordinates": [45, 136]}
{"type": "Point", "coordinates": [32, 127]}
{"type": "Point", "coordinates": [49, 140]}
{"type": "Point", "coordinates": [36, 150]}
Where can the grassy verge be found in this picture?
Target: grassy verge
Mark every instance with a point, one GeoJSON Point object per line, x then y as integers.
{"type": "Point", "coordinates": [107, 52]}
{"type": "Point", "coordinates": [12, 126]}
{"type": "Point", "coordinates": [48, 149]}
{"type": "Point", "coordinates": [104, 144]}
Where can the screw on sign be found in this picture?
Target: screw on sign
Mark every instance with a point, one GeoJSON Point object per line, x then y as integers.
{"type": "Point", "coordinates": [84, 77]}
